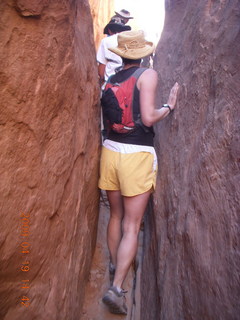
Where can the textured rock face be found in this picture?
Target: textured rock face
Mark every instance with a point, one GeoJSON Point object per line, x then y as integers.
{"type": "Point", "coordinates": [49, 142]}
{"type": "Point", "coordinates": [102, 11]}
{"type": "Point", "coordinates": [192, 240]}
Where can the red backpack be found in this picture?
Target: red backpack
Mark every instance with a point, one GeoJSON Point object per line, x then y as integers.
{"type": "Point", "coordinates": [117, 103]}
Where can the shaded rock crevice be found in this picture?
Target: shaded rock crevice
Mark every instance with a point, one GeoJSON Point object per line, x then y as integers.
{"type": "Point", "coordinates": [196, 246]}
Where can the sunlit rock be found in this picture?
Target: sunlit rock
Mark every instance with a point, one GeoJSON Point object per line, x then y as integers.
{"type": "Point", "coordinates": [102, 11]}
{"type": "Point", "coordinates": [49, 122]}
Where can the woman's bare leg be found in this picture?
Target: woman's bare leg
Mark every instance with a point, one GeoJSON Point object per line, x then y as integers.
{"type": "Point", "coordinates": [134, 208]}
{"type": "Point", "coordinates": [114, 230]}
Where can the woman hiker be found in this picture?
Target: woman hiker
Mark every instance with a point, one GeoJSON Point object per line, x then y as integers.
{"type": "Point", "coordinates": [128, 163]}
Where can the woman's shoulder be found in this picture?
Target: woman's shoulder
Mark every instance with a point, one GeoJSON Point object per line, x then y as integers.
{"type": "Point", "coordinates": [149, 72]}
{"type": "Point", "coordinates": [149, 77]}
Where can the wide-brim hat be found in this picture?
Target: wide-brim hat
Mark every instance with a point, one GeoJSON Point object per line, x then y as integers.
{"type": "Point", "coordinates": [132, 45]}
{"type": "Point", "coordinates": [115, 25]}
{"type": "Point", "coordinates": [124, 14]}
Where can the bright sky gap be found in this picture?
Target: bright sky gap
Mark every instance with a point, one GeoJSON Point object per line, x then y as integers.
{"type": "Point", "coordinates": [148, 16]}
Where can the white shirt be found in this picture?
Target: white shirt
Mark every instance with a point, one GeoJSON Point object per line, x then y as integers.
{"type": "Point", "coordinates": [105, 56]}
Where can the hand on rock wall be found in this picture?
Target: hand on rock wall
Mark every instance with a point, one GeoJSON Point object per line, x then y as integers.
{"type": "Point", "coordinates": [172, 99]}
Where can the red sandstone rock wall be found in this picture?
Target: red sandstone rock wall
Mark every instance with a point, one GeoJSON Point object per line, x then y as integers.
{"type": "Point", "coordinates": [192, 255]}
{"type": "Point", "coordinates": [49, 151]}
{"type": "Point", "coordinates": [102, 11]}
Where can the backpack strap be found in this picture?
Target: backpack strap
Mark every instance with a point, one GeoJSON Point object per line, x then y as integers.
{"type": "Point", "coordinates": [138, 72]}
{"type": "Point", "coordinates": [138, 122]}
{"type": "Point", "coordinates": [135, 74]}
{"type": "Point", "coordinates": [109, 78]}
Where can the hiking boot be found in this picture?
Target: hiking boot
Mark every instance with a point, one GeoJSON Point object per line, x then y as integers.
{"type": "Point", "coordinates": [111, 273]}
{"type": "Point", "coordinates": [115, 301]}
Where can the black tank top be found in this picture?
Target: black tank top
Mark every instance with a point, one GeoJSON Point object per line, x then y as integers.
{"type": "Point", "coordinates": [142, 135]}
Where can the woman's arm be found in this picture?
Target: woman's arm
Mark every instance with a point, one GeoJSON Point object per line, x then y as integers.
{"type": "Point", "coordinates": [147, 84]}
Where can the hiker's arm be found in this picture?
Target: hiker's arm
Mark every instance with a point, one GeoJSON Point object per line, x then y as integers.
{"type": "Point", "coordinates": [147, 85]}
{"type": "Point", "coordinates": [101, 59]}
{"type": "Point", "coordinates": [101, 72]}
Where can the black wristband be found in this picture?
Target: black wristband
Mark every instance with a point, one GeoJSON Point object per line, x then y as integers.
{"type": "Point", "coordinates": [167, 106]}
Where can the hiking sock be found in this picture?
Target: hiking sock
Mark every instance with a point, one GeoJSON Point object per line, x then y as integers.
{"type": "Point", "coordinates": [111, 267]}
{"type": "Point", "coordinates": [119, 289]}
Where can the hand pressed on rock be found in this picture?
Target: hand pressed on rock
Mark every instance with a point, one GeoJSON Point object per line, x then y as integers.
{"type": "Point", "coordinates": [172, 99]}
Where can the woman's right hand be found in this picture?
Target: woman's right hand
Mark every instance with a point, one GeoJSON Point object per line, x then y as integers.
{"type": "Point", "coordinates": [172, 99]}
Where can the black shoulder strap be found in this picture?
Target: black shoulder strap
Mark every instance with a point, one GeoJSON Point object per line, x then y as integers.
{"type": "Point", "coordinates": [109, 79]}
{"type": "Point", "coordinates": [138, 72]}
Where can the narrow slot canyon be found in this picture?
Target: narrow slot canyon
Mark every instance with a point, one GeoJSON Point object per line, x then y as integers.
{"type": "Point", "coordinates": [53, 251]}
{"type": "Point", "coordinates": [98, 282]}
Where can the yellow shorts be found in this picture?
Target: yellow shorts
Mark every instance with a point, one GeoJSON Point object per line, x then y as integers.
{"type": "Point", "coordinates": [131, 173]}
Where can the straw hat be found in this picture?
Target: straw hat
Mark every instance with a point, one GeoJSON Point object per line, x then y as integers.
{"type": "Point", "coordinates": [132, 45]}
{"type": "Point", "coordinates": [124, 14]}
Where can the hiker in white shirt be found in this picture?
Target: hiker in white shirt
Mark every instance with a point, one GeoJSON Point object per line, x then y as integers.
{"type": "Point", "coordinates": [108, 61]}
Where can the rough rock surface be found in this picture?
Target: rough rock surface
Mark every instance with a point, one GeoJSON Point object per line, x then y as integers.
{"type": "Point", "coordinates": [193, 235]}
{"type": "Point", "coordinates": [102, 11]}
{"type": "Point", "coordinates": [49, 142]}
